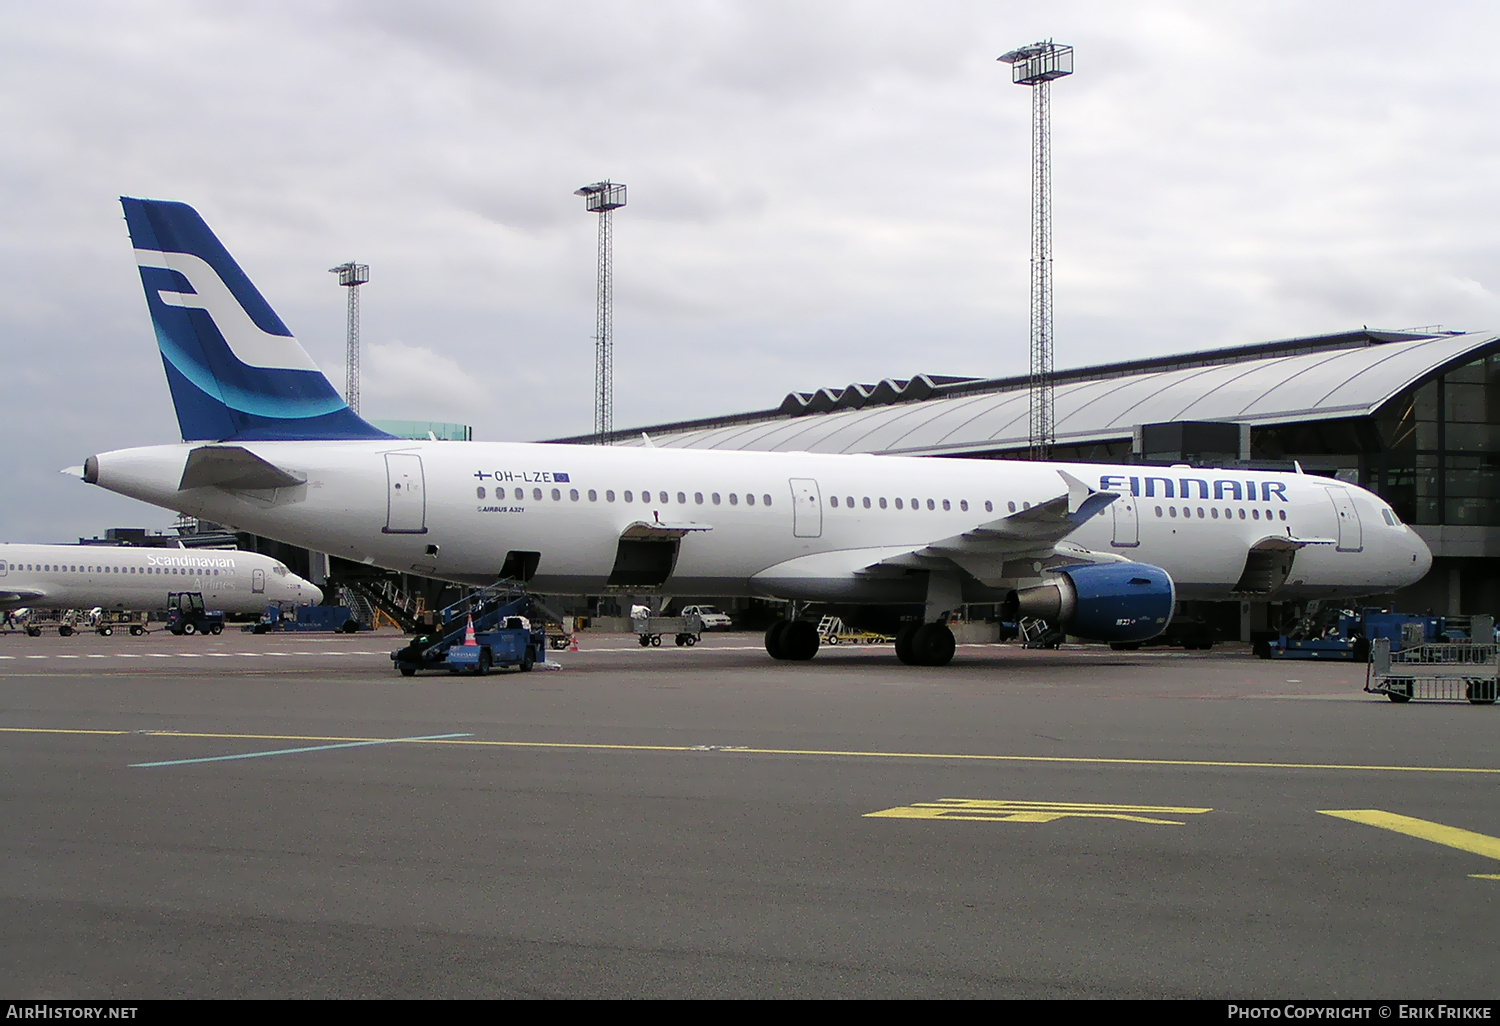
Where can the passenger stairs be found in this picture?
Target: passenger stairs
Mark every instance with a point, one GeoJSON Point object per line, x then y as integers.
{"type": "Point", "coordinates": [386, 595]}
{"type": "Point", "coordinates": [494, 613]}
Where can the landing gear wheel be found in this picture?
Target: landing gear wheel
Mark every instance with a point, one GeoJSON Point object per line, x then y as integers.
{"type": "Point", "coordinates": [774, 635]}
{"type": "Point", "coordinates": [800, 642]}
{"type": "Point", "coordinates": [903, 644]}
{"type": "Point", "coordinates": [933, 644]}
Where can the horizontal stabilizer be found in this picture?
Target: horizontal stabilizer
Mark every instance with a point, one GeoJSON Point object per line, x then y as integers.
{"type": "Point", "coordinates": [230, 466]}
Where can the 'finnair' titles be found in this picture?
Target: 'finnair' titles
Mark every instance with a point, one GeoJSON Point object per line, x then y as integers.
{"type": "Point", "coordinates": [269, 447]}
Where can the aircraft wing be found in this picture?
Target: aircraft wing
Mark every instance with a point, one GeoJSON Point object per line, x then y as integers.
{"type": "Point", "coordinates": [1032, 534]}
{"type": "Point", "coordinates": [14, 598]}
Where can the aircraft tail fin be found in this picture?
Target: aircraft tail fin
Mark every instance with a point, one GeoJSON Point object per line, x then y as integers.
{"type": "Point", "coordinates": [235, 371]}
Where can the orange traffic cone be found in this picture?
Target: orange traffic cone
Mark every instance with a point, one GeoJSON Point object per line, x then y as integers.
{"type": "Point", "coordinates": [573, 642]}
{"type": "Point", "coordinates": [469, 639]}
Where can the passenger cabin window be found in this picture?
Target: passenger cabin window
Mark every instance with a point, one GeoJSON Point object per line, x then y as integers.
{"type": "Point", "coordinates": [716, 498]}
{"type": "Point", "coordinates": [749, 498]}
{"type": "Point", "coordinates": [766, 499]}
{"type": "Point", "coordinates": [734, 500]}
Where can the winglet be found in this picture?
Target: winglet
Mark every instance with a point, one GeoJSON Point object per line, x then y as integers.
{"type": "Point", "coordinates": [1078, 492]}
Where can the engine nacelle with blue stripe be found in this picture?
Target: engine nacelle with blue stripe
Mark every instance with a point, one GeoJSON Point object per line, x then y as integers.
{"type": "Point", "coordinates": [1100, 601]}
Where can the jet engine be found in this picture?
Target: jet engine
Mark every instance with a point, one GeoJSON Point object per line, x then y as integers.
{"type": "Point", "coordinates": [1100, 601]}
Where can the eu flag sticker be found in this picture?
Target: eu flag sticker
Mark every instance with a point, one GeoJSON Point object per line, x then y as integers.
{"type": "Point", "coordinates": [560, 478]}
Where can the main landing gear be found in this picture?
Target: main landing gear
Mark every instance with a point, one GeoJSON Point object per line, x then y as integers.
{"type": "Point", "coordinates": [917, 644]}
{"type": "Point", "coordinates": [925, 644]}
{"type": "Point", "coordinates": [793, 639]}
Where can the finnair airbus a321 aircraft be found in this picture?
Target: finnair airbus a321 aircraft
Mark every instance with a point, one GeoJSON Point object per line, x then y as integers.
{"type": "Point", "coordinates": [1102, 552]}
{"type": "Point", "coordinates": [140, 578]}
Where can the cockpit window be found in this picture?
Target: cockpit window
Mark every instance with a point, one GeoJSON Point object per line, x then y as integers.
{"type": "Point", "coordinates": [279, 570]}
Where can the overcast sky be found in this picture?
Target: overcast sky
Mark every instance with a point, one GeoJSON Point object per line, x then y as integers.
{"type": "Point", "coordinates": [820, 193]}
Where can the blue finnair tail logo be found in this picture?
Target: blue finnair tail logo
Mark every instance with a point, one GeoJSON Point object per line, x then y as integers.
{"type": "Point", "coordinates": [234, 369]}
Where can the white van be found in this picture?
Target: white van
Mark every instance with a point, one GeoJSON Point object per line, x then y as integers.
{"type": "Point", "coordinates": [713, 618]}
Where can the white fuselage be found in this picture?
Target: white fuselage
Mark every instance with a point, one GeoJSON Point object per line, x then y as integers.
{"type": "Point", "coordinates": [455, 509]}
{"type": "Point", "coordinates": [140, 578]}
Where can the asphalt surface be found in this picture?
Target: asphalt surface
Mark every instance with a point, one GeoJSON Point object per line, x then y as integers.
{"type": "Point", "coordinates": [698, 823]}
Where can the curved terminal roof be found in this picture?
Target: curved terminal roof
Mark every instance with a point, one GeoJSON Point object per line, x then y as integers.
{"type": "Point", "coordinates": [1095, 407]}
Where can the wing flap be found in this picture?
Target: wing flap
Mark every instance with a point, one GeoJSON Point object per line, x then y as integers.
{"type": "Point", "coordinates": [1033, 533]}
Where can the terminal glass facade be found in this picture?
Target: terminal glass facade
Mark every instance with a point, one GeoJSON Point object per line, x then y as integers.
{"type": "Point", "coordinates": [1432, 452]}
{"type": "Point", "coordinates": [1439, 461]}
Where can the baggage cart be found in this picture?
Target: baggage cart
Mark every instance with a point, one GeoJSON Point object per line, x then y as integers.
{"type": "Point", "coordinates": [685, 630]}
{"type": "Point", "coordinates": [1450, 671]}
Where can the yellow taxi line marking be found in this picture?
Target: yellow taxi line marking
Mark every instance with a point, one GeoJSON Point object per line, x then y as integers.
{"type": "Point", "coordinates": [827, 753]}
{"type": "Point", "coordinates": [980, 810]}
{"type": "Point", "coordinates": [1426, 830]}
{"type": "Point", "coordinates": [58, 730]}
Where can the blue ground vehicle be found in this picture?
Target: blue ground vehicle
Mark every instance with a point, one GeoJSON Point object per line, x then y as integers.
{"type": "Point", "coordinates": [186, 614]}
{"type": "Point", "coordinates": [502, 636]}
{"type": "Point", "coordinates": [1347, 634]}
{"type": "Point", "coordinates": [307, 618]}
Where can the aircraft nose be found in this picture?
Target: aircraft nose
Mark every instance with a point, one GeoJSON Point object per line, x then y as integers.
{"type": "Point", "coordinates": [1421, 557]}
{"type": "Point", "coordinates": [308, 593]}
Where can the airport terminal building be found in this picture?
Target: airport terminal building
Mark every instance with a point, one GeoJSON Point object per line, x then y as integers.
{"type": "Point", "coordinates": [1411, 415]}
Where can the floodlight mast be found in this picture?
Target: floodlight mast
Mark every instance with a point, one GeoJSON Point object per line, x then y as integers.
{"type": "Point", "coordinates": [352, 276]}
{"type": "Point", "coordinates": [1037, 66]}
{"type": "Point", "coordinates": [603, 198]}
